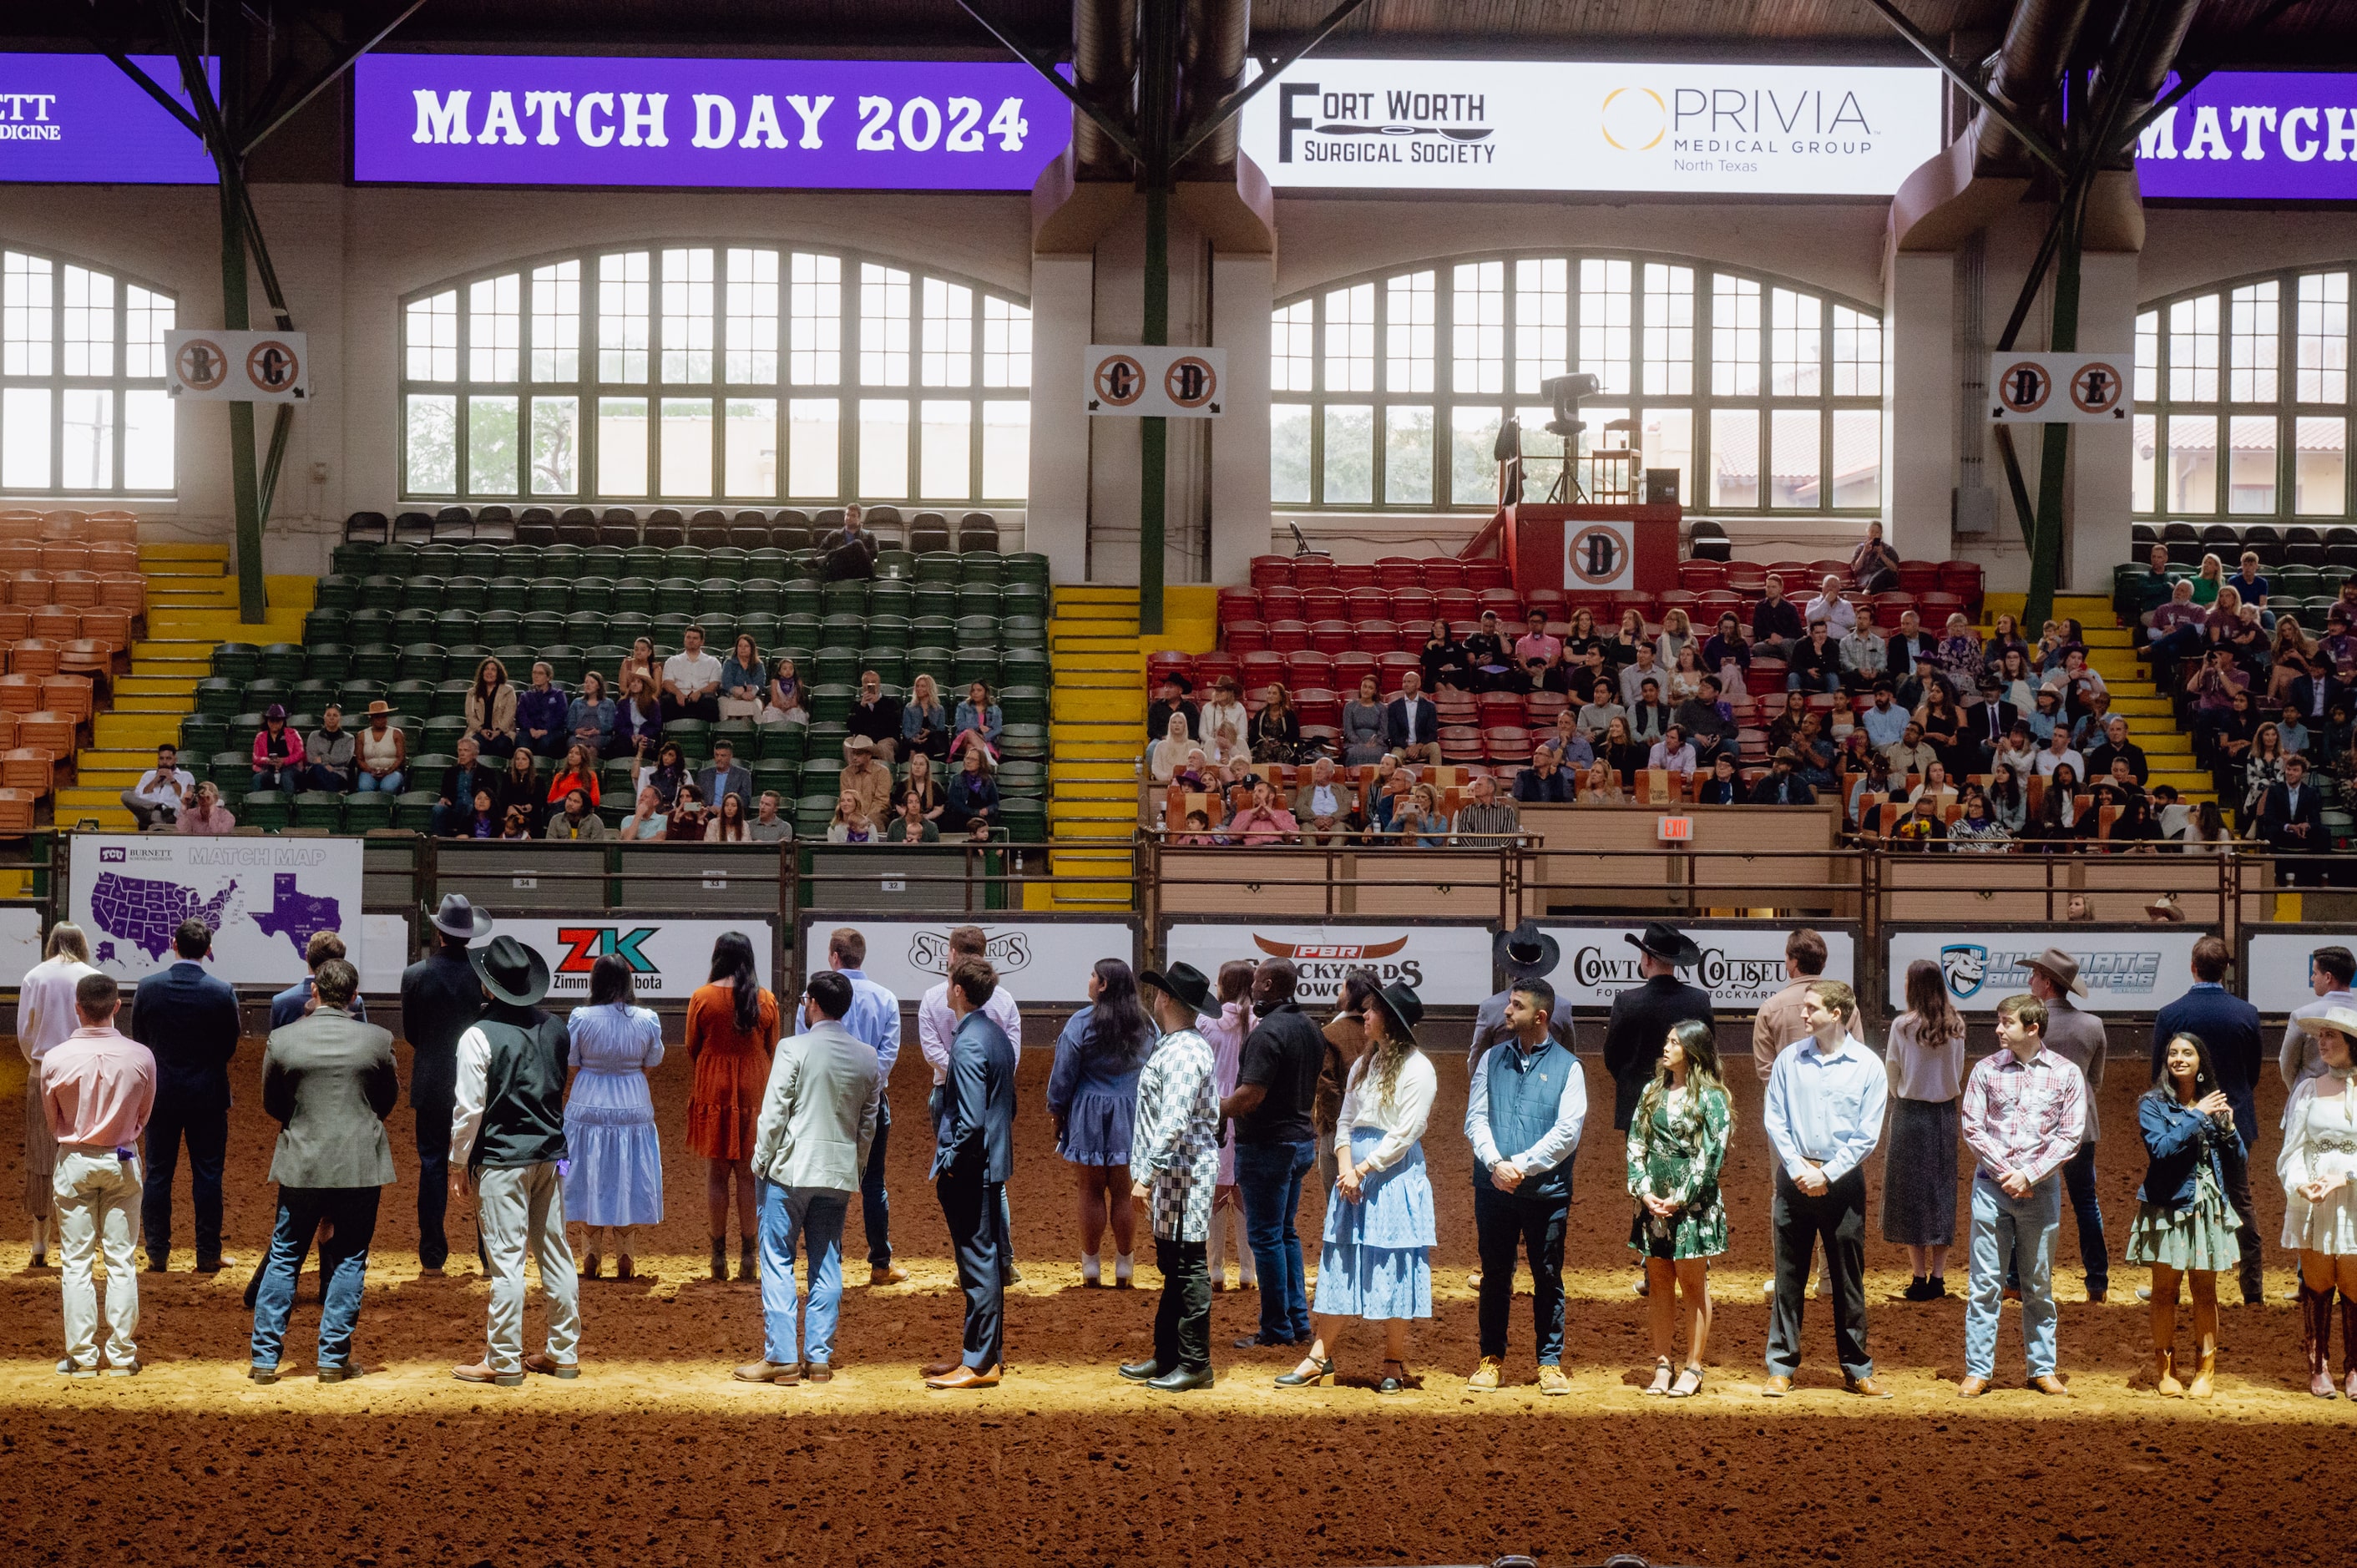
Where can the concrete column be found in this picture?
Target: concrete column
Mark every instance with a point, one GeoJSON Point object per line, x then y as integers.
{"type": "Point", "coordinates": [1919, 402]}
{"type": "Point", "coordinates": [1244, 289]}
{"type": "Point", "coordinates": [2097, 503]}
{"type": "Point", "coordinates": [1056, 520]}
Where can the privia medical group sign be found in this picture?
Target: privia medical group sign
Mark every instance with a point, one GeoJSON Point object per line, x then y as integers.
{"type": "Point", "coordinates": [2256, 135]}
{"type": "Point", "coordinates": [770, 124]}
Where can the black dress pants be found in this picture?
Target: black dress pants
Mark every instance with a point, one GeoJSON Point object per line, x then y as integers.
{"type": "Point", "coordinates": [1505, 1223]}
{"type": "Point", "coordinates": [1838, 1219]}
{"type": "Point", "coordinates": [1182, 1321]}
{"type": "Point", "coordinates": [206, 1133]}
{"type": "Point", "coordinates": [975, 1211]}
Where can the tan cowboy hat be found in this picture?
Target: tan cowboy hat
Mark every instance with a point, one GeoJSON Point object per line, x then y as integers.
{"type": "Point", "coordinates": [2342, 1021]}
{"type": "Point", "coordinates": [380, 705]}
{"type": "Point", "coordinates": [2164, 909]}
{"type": "Point", "coordinates": [2062, 969]}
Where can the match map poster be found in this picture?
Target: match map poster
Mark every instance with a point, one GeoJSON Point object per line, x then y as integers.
{"type": "Point", "coordinates": [1447, 966]}
{"type": "Point", "coordinates": [262, 898]}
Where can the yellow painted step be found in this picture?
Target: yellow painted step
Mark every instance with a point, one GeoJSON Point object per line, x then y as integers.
{"type": "Point", "coordinates": [1062, 768]}
{"type": "Point", "coordinates": [139, 685]}
{"type": "Point", "coordinates": [143, 731]}
{"type": "Point", "coordinates": [1110, 708]}
{"type": "Point", "coordinates": [1100, 592]}
{"type": "Point", "coordinates": [1097, 679]}
{"type": "Point", "coordinates": [148, 552]}
{"type": "Point", "coordinates": [1096, 790]}
{"type": "Point", "coordinates": [1086, 644]}
{"type": "Point", "coordinates": [1130, 664]}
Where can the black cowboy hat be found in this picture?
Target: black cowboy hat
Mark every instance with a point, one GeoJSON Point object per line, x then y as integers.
{"type": "Point", "coordinates": [1173, 678]}
{"type": "Point", "coordinates": [1526, 952]}
{"type": "Point", "coordinates": [1672, 946]}
{"type": "Point", "coordinates": [1183, 981]}
{"type": "Point", "coordinates": [510, 971]}
{"type": "Point", "coordinates": [1403, 1005]}
{"type": "Point", "coordinates": [458, 917]}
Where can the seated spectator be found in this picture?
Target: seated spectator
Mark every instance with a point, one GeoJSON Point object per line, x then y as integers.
{"type": "Point", "coordinates": [2008, 796]}
{"type": "Point", "coordinates": [866, 780]}
{"type": "Point", "coordinates": [2045, 715]}
{"type": "Point", "coordinates": [2076, 679]}
{"type": "Point", "coordinates": [1722, 787]}
{"type": "Point", "coordinates": [1263, 823]}
{"type": "Point", "coordinates": [2117, 748]}
{"type": "Point", "coordinates": [2004, 638]}
{"type": "Point", "coordinates": [1169, 698]}
{"type": "Point", "coordinates": [1414, 828]}
{"type": "Point", "coordinates": [163, 792]}
{"type": "Point", "coordinates": [1910, 755]}
{"type": "Point", "coordinates": [1198, 834]}
{"type": "Point", "coordinates": [1622, 752]}
{"type": "Point", "coordinates": [589, 716]}
{"type": "Point", "coordinates": [1776, 622]}
{"type": "Point", "coordinates": [1321, 807]}
{"type": "Point", "coordinates": [1647, 715]}
{"type": "Point", "coordinates": [2087, 729]}
{"type": "Point", "coordinates": [2262, 768]}
{"type": "Point", "coordinates": [691, 680]}
{"type": "Point", "coordinates": [1596, 715]}
{"type": "Point", "coordinates": [1485, 820]}
{"type": "Point", "coordinates": [1865, 653]}
{"type": "Point", "coordinates": [2211, 687]}
{"type": "Point", "coordinates": [978, 717]}
{"type": "Point", "coordinates": [1814, 752]}
{"type": "Point", "coordinates": [1276, 733]}
{"type": "Point", "coordinates": [1677, 636]}
{"type": "Point", "coordinates": [2174, 627]}
{"type": "Point", "coordinates": [877, 714]}
{"type": "Point", "coordinates": [2248, 582]}
{"type": "Point", "coordinates": [847, 555]}
{"type": "Point", "coordinates": [1943, 724]}
{"type": "Point", "coordinates": [725, 776]}
{"type": "Point", "coordinates": [1412, 724]}
{"type": "Point", "coordinates": [2136, 594]}
{"type": "Point", "coordinates": [933, 796]}
{"type": "Point", "coordinates": [1544, 780]}
{"type": "Point", "coordinates": [327, 757]}
{"type": "Point", "coordinates": [1884, 721]}
{"type": "Point", "coordinates": [2230, 738]}
{"type": "Point", "coordinates": [1574, 671]}
{"type": "Point", "coordinates": [1491, 653]}
{"type": "Point", "coordinates": [1874, 780]}
{"type": "Point", "coordinates": [1856, 751]}
{"type": "Point", "coordinates": [1444, 660]}
{"type": "Point", "coordinates": [1687, 675]}
{"type": "Point", "coordinates": [2133, 822]}
{"type": "Point", "coordinates": [1838, 614]}
{"type": "Point", "coordinates": [1222, 743]}
{"type": "Point", "coordinates": [516, 824]}
{"type": "Point", "coordinates": [541, 714]}
{"type": "Point", "coordinates": [1873, 565]}
{"type": "Point", "coordinates": [744, 680]}
{"type": "Point", "coordinates": [1394, 785]}
{"type": "Point", "coordinates": [277, 753]}
{"type": "Point", "coordinates": [2291, 818]}
{"type": "Point", "coordinates": [690, 815]}
{"type": "Point", "coordinates": [2314, 697]}
{"type": "Point", "coordinates": [647, 821]}
{"type": "Point", "coordinates": [1707, 721]}
{"type": "Point", "coordinates": [578, 820]}
{"type": "Point", "coordinates": [908, 824]}
{"type": "Point", "coordinates": [1236, 774]}
{"type": "Point", "coordinates": [2292, 655]}
{"type": "Point", "coordinates": [1978, 830]}
{"type": "Point", "coordinates": [640, 660]}
{"type": "Point", "coordinates": [1672, 754]}
{"type": "Point", "coordinates": [520, 786]}
{"type": "Point", "coordinates": [1362, 724]}
{"type": "Point", "coordinates": [2248, 639]}
{"type": "Point", "coordinates": [1570, 742]}
{"type": "Point", "coordinates": [638, 719]}
{"type": "Point", "coordinates": [2056, 820]}
{"type": "Point", "coordinates": [728, 825]}
{"type": "Point", "coordinates": [2008, 676]}
{"type": "Point", "coordinates": [491, 709]}
{"type": "Point", "coordinates": [788, 703]}
{"type": "Point", "coordinates": [482, 819]}
{"type": "Point", "coordinates": [667, 775]}
{"type": "Point", "coordinates": [1602, 786]}
{"type": "Point", "coordinates": [1920, 825]}
{"type": "Point", "coordinates": [2296, 735]}
{"type": "Point", "coordinates": [767, 826]}
{"type": "Point", "coordinates": [1727, 646]}
{"type": "Point", "coordinates": [578, 771]}
{"type": "Point", "coordinates": [456, 793]}
{"type": "Point", "coordinates": [973, 791]}
{"type": "Point", "coordinates": [207, 815]}
{"type": "Point", "coordinates": [850, 824]}
{"type": "Point", "coordinates": [1535, 650]}
{"type": "Point", "coordinates": [1784, 785]}
{"type": "Point", "coordinates": [2058, 752]}
{"type": "Point", "coordinates": [1936, 787]}
{"type": "Point", "coordinates": [1583, 636]}
{"type": "Point", "coordinates": [1640, 670]}
{"type": "Point", "coordinates": [2338, 646]}
{"type": "Point", "coordinates": [1814, 663]}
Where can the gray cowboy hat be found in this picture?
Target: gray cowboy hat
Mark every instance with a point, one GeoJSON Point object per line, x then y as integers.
{"type": "Point", "coordinates": [510, 971]}
{"type": "Point", "coordinates": [2062, 969]}
{"type": "Point", "coordinates": [1526, 952]}
{"type": "Point", "coordinates": [458, 917]}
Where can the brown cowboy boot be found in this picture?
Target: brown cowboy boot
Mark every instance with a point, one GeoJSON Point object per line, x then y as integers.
{"type": "Point", "coordinates": [2349, 1346]}
{"type": "Point", "coordinates": [2164, 1348]}
{"type": "Point", "coordinates": [2315, 1338]}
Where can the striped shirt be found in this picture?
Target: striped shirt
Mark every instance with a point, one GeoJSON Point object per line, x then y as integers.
{"type": "Point", "coordinates": [1488, 821]}
{"type": "Point", "coordinates": [2025, 1117]}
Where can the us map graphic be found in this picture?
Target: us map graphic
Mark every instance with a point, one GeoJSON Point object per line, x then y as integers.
{"type": "Point", "coordinates": [145, 911]}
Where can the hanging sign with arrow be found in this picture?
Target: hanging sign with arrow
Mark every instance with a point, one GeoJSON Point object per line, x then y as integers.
{"type": "Point", "coordinates": [1146, 382]}
{"type": "Point", "coordinates": [2060, 389]}
{"type": "Point", "coordinates": [240, 366]}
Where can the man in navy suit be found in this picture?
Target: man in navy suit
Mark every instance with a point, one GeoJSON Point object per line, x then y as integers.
{"type": "Point", "coordinates": [974, 1154]}
{"type": "Point", "coordinates": [1411, 724]}
{"type": "Point", "coordinates": [189, 1020]}
{"type": "Point", "coordinates": [293, 1003]}
{"type": "Point", "coordinates": [2230, 1027]}
{"type": "Point", "coordinates": [2291, 818]}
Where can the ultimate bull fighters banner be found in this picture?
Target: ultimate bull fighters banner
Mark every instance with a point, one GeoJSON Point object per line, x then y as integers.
{"type": "Point", "coordinates": [1448, 965]}
{"type": "Point", "coordinates": [1041, 961]}
{"type": "Point", "coordinates": [1741, 966]}
{"type": "Point", "coordinates": [262, 896]}
{"type": "Point", "coordinates": [2138, 969]}
{"type": "Point", "coordinates": [668, 958]}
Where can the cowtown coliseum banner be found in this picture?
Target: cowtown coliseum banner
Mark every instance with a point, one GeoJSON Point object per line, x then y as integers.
{"type": "Point", "coordinates": [1749, 130]}
{"type": "Point", "coordinates": [262, 898]}
{"type": "Point", "coordinates": [1448, 966]}
{"type": "Point", "coordinates": [1041, 961]}
{"type": "Point", "coordinates": [2140, 969]}
{"type": "Point", "coordinates": [2256, 135]}
{"type": "Point", "coordinates": [844, 125]}
{"type": "Point", "coordinates": [2274, 976]}
{"type": "Point", "coordinates": [79, 119]}
{"type": "Point", "coordinates": [1741, 966]}
{"type": "Point", "coordinates": [668, 958]}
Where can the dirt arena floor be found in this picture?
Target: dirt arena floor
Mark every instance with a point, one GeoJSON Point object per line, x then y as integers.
{"type": "Point", "coordinates": [655, 1457]}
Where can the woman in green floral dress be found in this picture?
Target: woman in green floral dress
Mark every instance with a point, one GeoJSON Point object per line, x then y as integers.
{"type": "Point", "coordinates": [1677, 1140]}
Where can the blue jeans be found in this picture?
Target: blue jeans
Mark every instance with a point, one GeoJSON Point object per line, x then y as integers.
{"type": "Point", "coordinates": [370, 783]}
{"type": "Point", "coordinates": [875, 1203]}
{"type": "Point", "coordinates": [2018, 1231]}
{"type": "Point", "coordinates": [1268, 1179]}
{"type": "Point", "coordinates": [350, 1213]}
{"type": "Point", "coordinates": [815, 1217]}
{"type": "Point", "coordinates": [2079, 1185]}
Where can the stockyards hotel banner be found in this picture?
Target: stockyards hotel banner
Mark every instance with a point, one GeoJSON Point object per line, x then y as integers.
{"type": "Point", "coordinates": [1748, 130]}
{"type": "Point", "coordinates": [1741, 966]}
{"type": "Point", "coordinates": [1448, 966]}
{"type": "Point", "coordinates": [2141, 969]}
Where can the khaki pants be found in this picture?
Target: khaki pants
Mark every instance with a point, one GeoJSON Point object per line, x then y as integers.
{"type": "Point", "coordinates": [521, 1208]}
{"type": "Point", "coordinates": [97, 1196]}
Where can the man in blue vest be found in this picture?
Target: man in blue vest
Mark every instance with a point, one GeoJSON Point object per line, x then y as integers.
{"type": "Point", "coordinates": [1528, 1097]}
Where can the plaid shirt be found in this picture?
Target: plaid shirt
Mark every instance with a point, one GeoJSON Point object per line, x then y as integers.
{"type": "Point", "coordinates": [1175, 1150]}
{"type": "Point", "coordinates": [2027, 1117]}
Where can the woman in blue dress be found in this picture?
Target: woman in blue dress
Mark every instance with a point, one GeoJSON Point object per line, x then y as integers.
{"type": "Point", "coordinates": [614, 1178]}
{"type": "Point", "coordinates": [1377, 1261]}
{"type": "Point", "coordinates": [1092, 1095]}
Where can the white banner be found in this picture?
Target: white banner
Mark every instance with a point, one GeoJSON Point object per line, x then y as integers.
{"type": "Point", "coordinates": [2275, 977]}
{"type": "Point", "coordinates": [2060, 389]}
{"type": "Point", "coordinates": [1166, 384]}
{"type": "Point", "coordinates": [668, 958]}
{"type": "Point", "coordinates": [1041, 961]}
{"type": "Point", "coordinates": [1741, 966]}
{"type": "Point", "coordinates": [262, 898]}
{"type": "Point", "coordinates": [20, 942]}
{"type": "Point", "coordinates": [239, 367]}
{"type": "Point", "coordinates": [1461, 125]}
{"type": "Point", "coordinates": [2138, 970]}
{"type": "Point", "coordinates": [1447, 966]}
{"type": "Point", "coordinates": [384, 951]}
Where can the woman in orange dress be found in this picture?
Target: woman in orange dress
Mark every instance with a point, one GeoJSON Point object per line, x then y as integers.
{"type": "Point", "coordinates": [732, 1032]}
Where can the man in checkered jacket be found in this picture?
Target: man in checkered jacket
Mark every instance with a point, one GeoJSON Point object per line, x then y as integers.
{"type": "Point", "coordinates": [1175, 1162]}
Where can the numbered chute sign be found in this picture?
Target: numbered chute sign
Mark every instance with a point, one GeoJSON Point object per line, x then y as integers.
{"type": "Point", "coordinates": [1169, 383]}
{"type": "Point", "coordinates": [2059, 388]}
{"type": "Point", "coordinates": [240, 366]}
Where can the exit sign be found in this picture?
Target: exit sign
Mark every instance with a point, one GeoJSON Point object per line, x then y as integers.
{"type": "Point", "coordinates": [1675, 830]}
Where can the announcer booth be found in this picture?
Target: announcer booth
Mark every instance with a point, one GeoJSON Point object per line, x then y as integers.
{"type": "Point", "coordinates": [1592, 552]}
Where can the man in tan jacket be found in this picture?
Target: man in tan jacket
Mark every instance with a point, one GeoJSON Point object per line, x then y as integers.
{"type": "Point", "coordinates": [867, 780]}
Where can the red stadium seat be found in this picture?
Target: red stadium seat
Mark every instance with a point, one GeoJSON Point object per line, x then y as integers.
{"type": "Point", "coordinates": [1244, 636]}
{"type": "Point", "coordinates": [1481, 575]}
{"type": "Point", "coordinates": [1272, 570]}
{"type": "Point", "coordinates": [1288, 636]}
{"type": "Point", "coordinates": [1313, 572]}
{"type": "Point", "coordinates": [1349, 574]}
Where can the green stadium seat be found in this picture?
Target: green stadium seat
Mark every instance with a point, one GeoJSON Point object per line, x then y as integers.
{"type": "Point", "coordinates": [895, 566]}
{"type": "Point", "coordinates": [1025, 742]}
{"type": "Point", "coordinates": [266, 809]}
{"type": "Point", "coordinates": [968, 665]}
{"type": "Point", "coordinates": [593, 595]}
{"type": "Point", "coordinates": [830, 702]}
{"type": "Point", "coordinates": [239, 661]}
{"type": "Point", "coordinates": [1023, 631]}
{"type": "Point", "coordinates": [780, 743]}
{"type": "Point", "coordinates": [466, 593]}
{"type": "Point", "coordinates": [891, 667]}
{"type": "Point", "coordinates": [634, 595]}
{"type": "Point", "coordinates": [480, 559]}
{"type": "Point", "coordinates": [285, 661]}
{"type": "Point", "coordinates": [891, 599]}
{"type": "Point", "coordinates": [410, 699]}
{"type": "Point", "coordinates": [1027, 567]}
{"type": "Point", "coordinates": [326, 626]}
{"type": "Point", "coordinates": [367, 812]}
{"type": "Point", "coordinates": [1024, 705]}
{"type": "Point", "coordinates": [1022, 779]}
{"type": "Point", "coordinates": [800, 596]}
{"type": "Point", "coordinates": [718, 596]}
{"type": "Point", "coordinates": [675, 596]}
{"type": "Point", "coordinates": [443, 733]}
{"type": "Point", "coordinates": [501, 629]}
{"type": "Point", "coordinates": [785, 778]}
{"type": "Point", "coordinates": [693, 736]}
{"type": "Point", "coordinates": [981, 566]}
{"type": "Point", "coordinates": [835, 666]}
{"type": "Point", "coordinates": [201, 734]}
{"type": "Point", "coordinates": [544, 627]}
{"type": "Point", "coordinates": [412, 810]}
{"type": "Point", "coordinates": [372, 625]}
{"type": "Point", "coordinates": [1023, 666]}
{"type": "Point", "coordinates": [453, 627]}
{"type": "Point", "coordinates": [847, 598]}
{"type": "Point", "coordinates": [332, 660]}
{"type": "Point", "coordinates": [888, 631]}
{"type": "Point", "coordinates": [315, 809]}
{"type": "Point", "coordinates": [504, 592]}
{"type": "Point", "coordinates": [1025, 817]}
{"type": "Point", "coordinates": [936, 566]}
{"type": "Point", "coordinates": [931, 600]}
{"type": "Point", "coordinates": [376, 662]}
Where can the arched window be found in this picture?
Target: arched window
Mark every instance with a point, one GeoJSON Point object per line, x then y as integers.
{"type": "Point", "coordinates": [715, 373]}
{"type": "Point", "coordinates": [2257, 371]}
{"type": "Point", "coordinates": [83, 406]}
{"type": "Point", "coordinates": [1387, 391]}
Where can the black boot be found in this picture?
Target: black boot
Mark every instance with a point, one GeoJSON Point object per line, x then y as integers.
{"type": "Point", "coordinates": [748, 1259]}
{"type": "Point", "coordinates": [720, 1257]}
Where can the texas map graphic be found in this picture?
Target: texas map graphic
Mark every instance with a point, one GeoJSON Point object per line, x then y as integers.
{"type": "Point", "coordinates": [145, 911]}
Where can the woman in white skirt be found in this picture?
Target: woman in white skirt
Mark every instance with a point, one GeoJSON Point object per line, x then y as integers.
{"type": "Point", "coordinates": [613, 1177]}
{"type": "Point", "coordinates": [1377, 1261]}
{"type": "Point", "coordinates": [1225, 1031]}
{"type": "Point", "coordinates": [2319, 1157]}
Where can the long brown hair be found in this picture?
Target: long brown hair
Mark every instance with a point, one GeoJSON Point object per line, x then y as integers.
{"type": "Point", "coordinates": [1937, 1019]}
{"type": "Point", "coordinates": [1383, 1058]}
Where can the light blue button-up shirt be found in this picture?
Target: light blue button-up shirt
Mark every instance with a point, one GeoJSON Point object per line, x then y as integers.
{"type": "Point", "coordinates": [1825, 1107]}
{"type": "Point", "coordinates": [1885, 726]}
{"type": "Point", "coordinates": [875, 1017]}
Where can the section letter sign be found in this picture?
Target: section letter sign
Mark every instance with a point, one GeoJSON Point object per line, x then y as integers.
{"type": "Point", "coordinates": [1741, 966]}
{"type": "Point", "coordinates": [1041, 961]}
{"type": "Point", "coordinates": [79, 119]}
{"type": "Point", "coordinates": [1457, 124]}
{"type": "Point", "coordinates": [2060, 389]}
{"type": "Point", "coordinates": [1147, 382]}
{"type": "Point", "coordinates": [239, 367]}
{"type": "Point", "coordinates": [262, 896]}
{"type": "Point", "coordinates": [2254, 136]}
{"type": "Point", "coordinates": [810, 125]}
{"type": "Point", "coordinates": [2140, 969]}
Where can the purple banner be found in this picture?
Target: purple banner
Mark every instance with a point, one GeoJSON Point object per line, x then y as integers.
{"type": "Point", "coordinates": [674, 123]}
{"type": "Point", "coordinates": [2254, 136]}
{"type": "Point", "coordinates": [79, 120]}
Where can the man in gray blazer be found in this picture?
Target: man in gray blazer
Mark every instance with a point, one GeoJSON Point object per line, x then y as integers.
{"type": "Point", "coordinates": [726, 776]}
{"type": "Point", "coordinates": [329, 1080]}
{"type": "Point", "coordinates": [817, 1123]}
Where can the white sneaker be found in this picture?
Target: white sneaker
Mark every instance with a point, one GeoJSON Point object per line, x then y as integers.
{"type": "Point", "coordinates": [1092, 1270]}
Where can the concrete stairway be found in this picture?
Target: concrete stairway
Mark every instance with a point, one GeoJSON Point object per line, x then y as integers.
{"type": "Point", "coordinates": [191, 605]}
{"type": "Point", "coordinates": [1097, 710]}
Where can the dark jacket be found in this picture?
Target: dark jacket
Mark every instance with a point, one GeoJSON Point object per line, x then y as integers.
{"type": "Point", "coordinates": [1641, 1016]}
{"type": "Point", "coordinates": [2099, 762]}
{"type": "Point", "coordinates": [848, 556]}
{"type": "Point", "coordinates": [880, 721]}
{"type": "Point", "coordinates": [1987, 723]}
{"type": "Point", "coordinates": [1158, 719]}
{"type": "Point", "coordinates": [2230, 1027]}
{"type": "Point", "coordinates": [1530, 786]}
{"type": "Point", "coordinates": [974, 1129]}
{"type": "Point", "coordinates": [460, 783]}
{"type": "Point", "coordinates": [1780, 619]}
{"type": "Point", "coordinates": [288, 1004]}
{"type": "Point", "coordinates": [189, 1020]}
{"type": "Point", "coordinates": [2177, 1139]}
{"type": "Point", "coordinates": [739, 783]}
{"type": "Point", "coordinates": [1395, 718]}
{"type": "Point", "coordinates": [1788, 791]}
{"type": "Point", "coordinates": [329, 1082]}
{"type": "Point", "coordinates": [972, 795]}
{"type": "Point", "coordinates": [441, 999]}
{"type": "Point", "coordinates": [2302, 697]}
{"type": "Point", "coordinates": [2278, 816]}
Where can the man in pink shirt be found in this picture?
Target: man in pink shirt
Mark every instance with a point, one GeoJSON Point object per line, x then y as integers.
{"type": "Point", "coordinates": [98, 1085]}
{"type": "Point", "coordinates": [1262, 823]}
{"type": "Point", "coordinates": [1534, 650]}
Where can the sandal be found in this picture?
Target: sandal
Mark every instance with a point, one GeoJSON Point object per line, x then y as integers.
{"type": "Point", "coordinates": [1685, 1390]}
{"type": "Point", "coordinates": [1394, 1385]}
{"type": "Point", "coordinates": [1294, 1379]}
{"type": "Point", "coordinates": [1661, 1383]}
